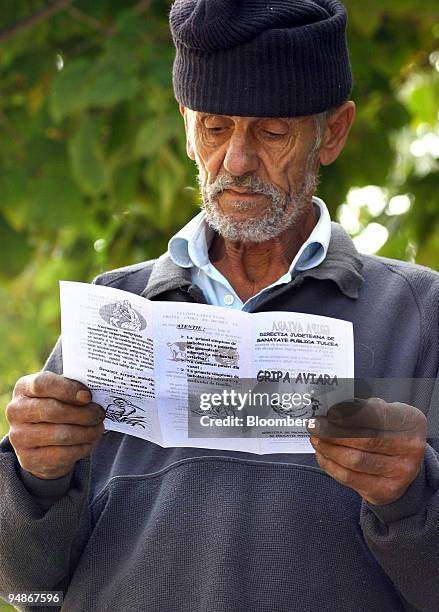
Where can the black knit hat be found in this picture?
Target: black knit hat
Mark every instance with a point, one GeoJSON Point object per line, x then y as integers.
{"type": "Point", "coordinates": [260, 58]}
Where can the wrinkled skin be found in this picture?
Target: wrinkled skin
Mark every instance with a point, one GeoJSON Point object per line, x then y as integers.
{"type": "Point", "coordinates": [277, 152]}
{"type": "Point", "coordinates": [51, 426]}
{"type": "Point", "coordinates": [372, 446]}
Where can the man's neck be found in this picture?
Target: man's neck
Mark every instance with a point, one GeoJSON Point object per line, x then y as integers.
{"type": "Point", "coordinates": [250, 266]}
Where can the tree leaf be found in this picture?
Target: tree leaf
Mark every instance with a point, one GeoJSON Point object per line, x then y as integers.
{"type": "Point", "coordinates": [14, 197]}
{"type": "Point", "coordinates": [423, 102]}
{"type": "Point", "coordinates": [69, 89]}
{"type": "Point", "coordinates": [15, 251]}
{"type": "Point", "coordinates": [154, 133]}
{"type": "Point", "coordinates": [58, 202]}
{"type": "Point", "coordinates": [111, 81]}
{"type": "Point", "coordinates": [88, 164]}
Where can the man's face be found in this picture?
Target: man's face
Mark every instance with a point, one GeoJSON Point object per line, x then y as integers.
{"type": "Point", "coordinates": [256, 175]}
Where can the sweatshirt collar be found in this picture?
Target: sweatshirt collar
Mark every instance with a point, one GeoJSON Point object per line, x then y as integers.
{"type": "Point", "coordinates": [342, 265]}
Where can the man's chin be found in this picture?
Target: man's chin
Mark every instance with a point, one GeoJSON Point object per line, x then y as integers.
{"type": "Point", "coordinates": [234, 217]}
{"type": "Point", "coordinates": [253, 230]}
{"type": "Point", "coordinates": [238, 210]}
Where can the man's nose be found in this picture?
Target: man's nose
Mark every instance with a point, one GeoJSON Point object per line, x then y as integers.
{"type": "Point", "coordinates": [241, 157]}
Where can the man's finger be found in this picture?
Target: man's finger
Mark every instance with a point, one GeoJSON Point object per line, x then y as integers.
{"type": "Point", "coordinates": [375, 413]}
{"type": "Point", "coordinates": [359, 460]}
{"type": "Point", "coordinates": [48, 384]}
{"type": "Point", "coordinates": [351, 478]}
{"type": "Point", "coordinates": [44, 434]}
{"type": "Point", "coordinates": [322, 427]}
{"type": "Point", "coordinates": [48, 410]}
{"type": "Point", "coordinates": [52, 461]}
{"type": "Point", "coordinates": [392, 446]}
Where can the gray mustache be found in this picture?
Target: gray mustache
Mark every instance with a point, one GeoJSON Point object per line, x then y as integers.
{"type": "Point", "coordinates": [251, 183]}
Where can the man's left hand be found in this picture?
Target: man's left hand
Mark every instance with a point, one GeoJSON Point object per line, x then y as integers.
{"type": "Point", "coordinates": [374, 447]}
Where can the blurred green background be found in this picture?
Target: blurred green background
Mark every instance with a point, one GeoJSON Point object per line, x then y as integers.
{"type": "Point", "coordinates": [93, 170]}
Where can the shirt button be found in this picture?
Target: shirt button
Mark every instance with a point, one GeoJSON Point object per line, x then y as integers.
{"type": "Point", "coordinates": [228, 299]}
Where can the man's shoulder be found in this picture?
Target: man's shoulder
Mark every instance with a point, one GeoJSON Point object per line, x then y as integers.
{"type": "Point", "coordinates": [419, 279]}
{"type": "Point", "coordinates": [397, 266]}
{"type": "Point", "coordinates": [132, 278]}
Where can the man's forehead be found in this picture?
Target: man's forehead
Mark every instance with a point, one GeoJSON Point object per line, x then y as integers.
{"type": "Point", "coordinates": [240, 119]}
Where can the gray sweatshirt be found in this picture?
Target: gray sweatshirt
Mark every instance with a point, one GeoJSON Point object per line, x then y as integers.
{"type": "Point", "coordinates": [136, 527]}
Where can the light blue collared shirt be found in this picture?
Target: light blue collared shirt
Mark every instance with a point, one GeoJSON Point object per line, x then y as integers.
{"type": "Point", "coordinates": [189, 248]}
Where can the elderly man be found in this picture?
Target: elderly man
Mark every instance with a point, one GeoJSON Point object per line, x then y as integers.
{"type": "Point", "coordinates": [118, 523]}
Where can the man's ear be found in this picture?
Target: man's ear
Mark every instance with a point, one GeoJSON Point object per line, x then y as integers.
{"type": "Point", "coordinates": [336, 132]}
{"type": "Point", "coordinates": [189, 147]}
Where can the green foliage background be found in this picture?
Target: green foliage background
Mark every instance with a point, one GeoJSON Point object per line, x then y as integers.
{"type": "Point", "coordinates": [93, 170]}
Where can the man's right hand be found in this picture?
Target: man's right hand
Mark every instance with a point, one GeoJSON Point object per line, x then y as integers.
{"type": "Point", "coordinates": [53, 423]}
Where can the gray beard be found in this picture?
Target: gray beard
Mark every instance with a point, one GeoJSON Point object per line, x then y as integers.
{"type": "Point", "coordinates": [282, 212]}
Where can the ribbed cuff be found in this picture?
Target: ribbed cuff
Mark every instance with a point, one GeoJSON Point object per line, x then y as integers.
{"type": "Point", "coordinates": [47, 491]}
{"type": "Point", "coordinates": [411, 503]}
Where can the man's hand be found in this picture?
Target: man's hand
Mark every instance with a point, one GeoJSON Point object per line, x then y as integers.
{"type": "Point", "coordinates": [52, 423]}
{"type": "Point", "coordinates": [373, 447]}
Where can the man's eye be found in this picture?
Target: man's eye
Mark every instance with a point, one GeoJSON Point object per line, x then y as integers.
{"type": "Point", "coordinates": [215, 130]}
{"type": "Point", "coordinates": [273, 134]}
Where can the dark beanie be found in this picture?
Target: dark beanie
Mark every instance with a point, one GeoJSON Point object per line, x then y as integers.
{"type": "Point", "coordinates": [260, 58]}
